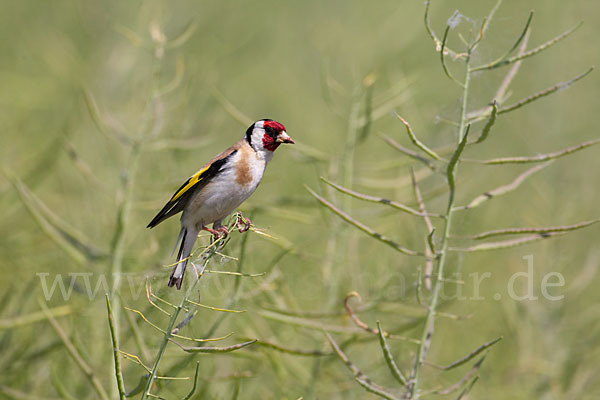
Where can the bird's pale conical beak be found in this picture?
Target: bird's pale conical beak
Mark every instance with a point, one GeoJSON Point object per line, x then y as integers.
{"type": "Point", "coordinates": [284, 138]}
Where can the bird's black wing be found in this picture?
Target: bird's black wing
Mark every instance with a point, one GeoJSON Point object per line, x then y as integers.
{"type": "Point", "coordinates": [196, 182]}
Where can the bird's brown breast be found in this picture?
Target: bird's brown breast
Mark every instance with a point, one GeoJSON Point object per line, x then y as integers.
{"type": "Point", "coordinates": [243, 175]}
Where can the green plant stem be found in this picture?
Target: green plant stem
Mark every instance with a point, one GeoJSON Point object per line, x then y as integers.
{"type": "Point", "coordinates": [161, 351]}
{"type": "Point", "coordinates": [116, 356]}
{"type": "Point", "coordinates": [430, 318]}
{"type": "Point", "coordinates": [169, 329]}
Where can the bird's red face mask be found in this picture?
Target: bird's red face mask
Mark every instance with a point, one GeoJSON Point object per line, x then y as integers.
{"type": "Point", "coordinates": [275, 135]}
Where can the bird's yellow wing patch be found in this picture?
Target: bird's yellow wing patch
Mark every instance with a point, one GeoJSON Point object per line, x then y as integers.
{"type": "Point", "coordinates": [197, 177]}
{"type": "Point", "coordinates": [183, 195]}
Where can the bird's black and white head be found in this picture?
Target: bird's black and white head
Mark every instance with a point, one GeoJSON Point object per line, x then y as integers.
{"type": "Point", "coordinates": [265, 136]}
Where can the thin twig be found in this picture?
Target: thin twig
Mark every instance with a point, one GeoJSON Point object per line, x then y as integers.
{"type": "Point", "coordinates": [501, 95]}
{"type": "Point", "coordinates": [149, 286]}
{"type": "Point", "coordinates": [506, 243]}
{"type": "Point", "coordinates": [235, 273]}
{"type": "Point", "coordinates": [387, 353]}
{"type": "Point", "coordinates": [172, 332]}
{"type": "Point", "coordinates": [287, 350]}
{"type": "Point", "coordinates": [191, 393]}
{"type": "Point", "coordinates": [315, 325]}
{"type": "Point", "coordinates": [468, 357]}
{"type": "Point", "coordinates": [422, 209]}
{"type": "Point", "coordinates": [443, 59]}
{"type": "Point", "coordinates": [470, 373]}
{"type": "Point", "coordinates": [437, 42]}
{"type": "Point", "coordinates": [540, 231]}
{"type": "Point", "coordinates": [362, 226]}
{"type": "Point", "coordinates": [519, 40]}
{"type": "Point", "coordinates": [408, 152]}
{"type": "Point", "coordinates": [529, 53]}
{"type": "Point", "coordinates": [152, 303]}
{"type": "Point", "coordinates": [361, 378]}
{"type": "Point", "coordinates": [504, 189]}
{"type": "Point", "coordinates": [213, 349]}
{"type": "Point", "coordinates": [467, 390]}
{"type": "Point", "coordinates": [481, 33]}
{"type": "Point", "coordinates": [214, 308]}
{"type": "Point", "coordinates": [381, 200]}
{"type": "Point", "coordinates": [429, 244]}
{"type": "Point", "coordinates": [363, 325]}
{"type": "Point", "coordinates": [543, 93]}
{"type": "Point", "coordinates": [539, 157]}
{"type": "Point", "coordinates": [135, 359]}
{"type": "Point", "coordinates": [484, 25]}
{"type": "Point", "coordinates": [416, 141]}
{"type": "Point", "coordinates": [316, 314]}
{"type": "Point", "coordinates": [137, 336]}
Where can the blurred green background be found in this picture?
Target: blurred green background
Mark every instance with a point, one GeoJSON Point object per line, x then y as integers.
{"type": "Point", "coordinates": [81, 81]}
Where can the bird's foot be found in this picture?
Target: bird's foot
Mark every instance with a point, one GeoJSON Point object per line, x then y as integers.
{"type": "Point", "coordinates": [243, 224]}
{"type": "Point", "coordinates": [223, 231]}
{"type": "Point", "coordinates": [220, 232]}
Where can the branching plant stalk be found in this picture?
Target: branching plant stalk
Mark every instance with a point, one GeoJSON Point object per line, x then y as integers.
{"type": "Point", "coordinates": [463, 124]}
{"type": "Point", "coordinates": [169, 328]}
{"type": "Point", "coordinates": [430, 318]}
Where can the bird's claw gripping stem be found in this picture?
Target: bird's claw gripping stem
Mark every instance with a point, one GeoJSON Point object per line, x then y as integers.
{"type": "Point", "coordinates": [243, 224]}
{"type": "Point", "coordinates": [220, 232]}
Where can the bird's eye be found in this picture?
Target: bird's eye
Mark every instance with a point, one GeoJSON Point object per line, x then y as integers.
{"type": "Point", "coordinates": [271, 132]}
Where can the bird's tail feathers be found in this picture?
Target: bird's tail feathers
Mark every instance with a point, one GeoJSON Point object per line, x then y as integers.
{"type": "Point", "coordinates": [188, 238]}
{"type": "Point", "coordinates": [181, 234]}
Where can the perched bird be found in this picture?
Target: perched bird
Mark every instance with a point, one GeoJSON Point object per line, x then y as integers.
{"type": "Point", "coordinates": [212, 193]}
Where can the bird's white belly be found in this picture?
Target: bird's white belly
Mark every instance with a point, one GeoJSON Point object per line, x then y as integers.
{"type": "Point", "coordinates": [221, 196]}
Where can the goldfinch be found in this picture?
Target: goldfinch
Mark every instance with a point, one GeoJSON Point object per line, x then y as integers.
{"type": "Point", "coordinates": [217, 189]}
